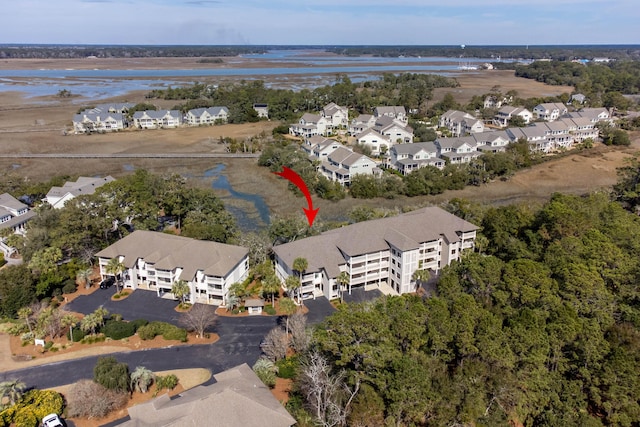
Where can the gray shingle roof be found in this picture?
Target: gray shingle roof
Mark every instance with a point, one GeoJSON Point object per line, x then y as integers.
{"type": "Point", "coordinates": [83, 185]}
{"type": "Point", "coordinates": [407, 230]}
{"type": "Point", "coordinates": [168, 251]}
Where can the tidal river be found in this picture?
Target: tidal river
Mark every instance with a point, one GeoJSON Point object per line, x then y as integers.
{"type": "Point", "coordinates": [250, 210]}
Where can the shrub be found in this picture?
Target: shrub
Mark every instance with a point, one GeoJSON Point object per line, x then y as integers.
{"type": "Point", "coordinates": [167, 330]}
{"type": "Point", "coordinates": [69, 287]}
{"type": "Point", "coordinates": [27, 336]}
{"type": "Point", "coordinates": [77, 334]}
{"type": "Point", "coordinates": [34, 405]}
{"type": "Point", "coordinates": [266, 370]}
{"type": "Point", "coordinates": [116, 296]}
{"type": "Point", "coordinates": [138, 323]}
{"type": "Point", "coordinates": [48, 345]}
{"type": "Point", "coordinates": [168, 382]}
{"type": "Point", "coordinates": [83, 403]}
{"type": "Point", "coordinates": [287, 367]}
{"type": "Point", "coordinates": [118, 330]}
{"type": "Point", "coordinates": [111, 374]}
{"type": "Point", "coordinates": [270, 310]}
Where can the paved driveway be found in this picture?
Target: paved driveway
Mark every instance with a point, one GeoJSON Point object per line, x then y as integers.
{"type": "Point", "coordinates": [140, 304]}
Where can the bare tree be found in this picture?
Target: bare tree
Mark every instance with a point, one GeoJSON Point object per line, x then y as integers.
{"type": "Point", "coordinates": [89, 399]}
{"type": "Point", "coordinates": [275, 344]}
{"type": "Point", "coordinates": [327, 394]}
{"type": "Point", "coordinates": [300, 335]}
{"type": "Point", "coordinates": [198, 319]}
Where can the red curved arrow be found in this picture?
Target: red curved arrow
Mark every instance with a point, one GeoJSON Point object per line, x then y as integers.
{"type": "Point", "coordinates": [291, 175]}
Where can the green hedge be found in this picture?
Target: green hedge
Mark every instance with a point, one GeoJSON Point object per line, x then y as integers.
{"type": "Point", "coordinates": [34, 405]}
{"type": "Point", "coordinates": [167, 330]}
{"type": "Point", "coordinates": [139, 322]}
{"type": "Point", "coordinates": [118, 330]}
{"type": "Point", "coordinates": [287, 367]}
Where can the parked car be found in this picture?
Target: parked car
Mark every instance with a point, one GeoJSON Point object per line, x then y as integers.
{"type": "Point", "coordinates": [106, 283]}
{"type": "Point", "coordinates": [52, 420]}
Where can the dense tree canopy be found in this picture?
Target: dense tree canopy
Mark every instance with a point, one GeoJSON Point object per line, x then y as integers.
{"type": "Point", "coordinates": [542, 329]}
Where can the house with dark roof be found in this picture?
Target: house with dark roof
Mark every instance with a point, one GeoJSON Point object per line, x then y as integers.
{"type": "Point", "coordinates": [207, 116]}
{"type": "Point", "coordinates": [238, 398]}
{"type": "Point", "coordinates": [58, 196]}
{"type": "Point", "coordinates": [154, 261]}
{"type": "Point", "coordinates": [262, 110]}
{"type": "Point", "coordinates": [151, 119]}
{"type": "Point", "coordinates": [379, 254]}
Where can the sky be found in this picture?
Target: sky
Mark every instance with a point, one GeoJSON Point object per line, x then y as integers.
{"type": "Point", "coordinates": [324, 22]}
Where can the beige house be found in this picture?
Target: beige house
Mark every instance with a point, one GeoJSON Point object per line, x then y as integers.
{"type": "Point", "coordinates": [237, 399]}
{"type": "Point", "coordinates": [379, 254]}
{"type": "Point", "coordinates": [155, 261]}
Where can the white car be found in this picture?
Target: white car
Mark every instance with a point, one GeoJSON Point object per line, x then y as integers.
{"type": "Point", "coordinates": [52, 420]}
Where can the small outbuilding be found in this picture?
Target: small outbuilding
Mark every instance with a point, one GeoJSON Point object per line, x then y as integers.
{"type": "Point", "coordinates": [254, 306]}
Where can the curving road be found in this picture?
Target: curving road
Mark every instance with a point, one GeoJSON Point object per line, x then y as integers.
{"type": "Point", "coordinates": [239, 341]}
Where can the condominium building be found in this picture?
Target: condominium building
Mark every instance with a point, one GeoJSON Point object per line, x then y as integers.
{"type": "Point", "coordinates": [378, 253]}
{"type": "Point", "coordinates": [154, 261]}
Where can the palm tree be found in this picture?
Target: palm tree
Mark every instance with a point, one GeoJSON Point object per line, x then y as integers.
{"type": "Point", "coordinates": [300, 264]}
{"type": "Point", "coordinates": [84, 275]}
{"type": "Point", "coordinates": [180, 289]}
{"type": "Point", "coordinates": [421, 277]}
{"type": "Point", "coordinates": [141, 379]}
{"type": "Point", "coordinates": [90, 322]}
{"type": "Point", "coordinates": [115, 267]}
{"type": "Point", "coordinates": [271, 286]}
{"type": "Point", "coordinates": [288, 307]}
{"type": "Point", "coordinates": [11, 391]}
{"type": "Point", "coordinates": [292, 283]}
{"type": "Point", "coordinates": [232, 302]}
{"type": "Point", "coordinates": [343, 279]}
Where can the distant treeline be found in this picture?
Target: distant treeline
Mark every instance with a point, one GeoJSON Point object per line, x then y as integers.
{"type": "Point", "coordinates": [106, 51]}
{"type": "Point", "coordinates": [565, 52]}
{"type": "Point", "coordinates": [561, 53]}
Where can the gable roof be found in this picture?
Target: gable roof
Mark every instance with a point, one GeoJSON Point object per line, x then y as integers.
{"type": "Point", "coordinates": [168, 251]}
{"type": "Point", "coordinates": [404, 231]}
{"type": "Point", "coordinates": [237, 399]}
{"type": "Point", "coordinates": [83, 185]}
{"type": "Point", "coordinates": [153, 114]}
{"type": "Point", "coordinates": [414, 148]}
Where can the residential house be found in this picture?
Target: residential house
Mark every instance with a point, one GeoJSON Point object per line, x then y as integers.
{"type": "Point", "coordinates": [237, 398]}
{"type": "Point", "coordinates": [98, 122]}
{"type": "Point", "coordinates": [506, 113]}
{"type": "Point", "coordinates": [262, 110]}
{"type": "Point", "coordinates": [379, 254]}
{"type": "Point", "coordinates": [458, 150]}
{"type": "Point", "coordinates": [496, 101]}
{"type": "Point", "coordinates": [492, 142]}
{"type": "Point", "coordinates": [394, 130]}
{"type": "Point", "coordinates": [460, 123]}
{"type": "Point", "coordinates": [549, 111]}
{"type": "Point", "coordinates": [154, 261]}
{"type": "Point", "coordinates": [207, 116]}
{"type": "Point", "coordinates": [114, 107]}
{"type": "Point", "coordinates": [318, 147]}
{"type": "Point", "coordinates": [581, 128]}
{"type": "Point", "coordinates": [58, 196]}
{"type": "Point", "coordinates": [151, 119]}
{"type": "Point", "coordinates": [336, 116]}
{"type": "Point", "coordinates": [14, 214]}
{"type": "Point", "coordinates": [361, 123]}
{"type": "Point", "coordinates": [578, 98]}
{"type": "Point", "coordinates": [557, 133]}
{"type": "Point", "coordinates": [596, 115]}
{"type": "Point", "coordinates": [309, 125]}
{"type": "Point", "coordinates": [342, 164]}
{"type": "Point", "coordinates": [378, 144]}
{"type": "Point", "coordinates": [397, 113]}
{"type": "Point", "coordinates": [534, 136]}
{"type": "Point", "coordinates": [405, 158]}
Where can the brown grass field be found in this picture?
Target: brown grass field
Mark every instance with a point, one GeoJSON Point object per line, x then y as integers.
{"type": "Point", "coordinates": [35, 125]}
